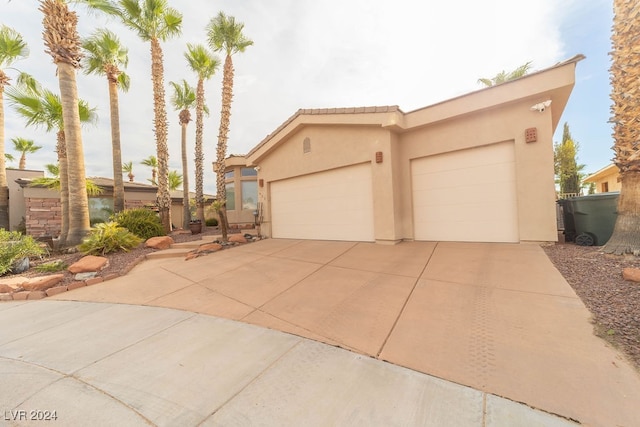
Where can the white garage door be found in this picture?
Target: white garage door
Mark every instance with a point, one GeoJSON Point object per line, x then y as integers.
{"type": "Point", "coordinates": [466, 196]}
{"type": "Point", "coordinates": [331, 205]}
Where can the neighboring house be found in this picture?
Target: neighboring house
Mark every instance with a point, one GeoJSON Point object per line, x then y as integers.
{"type": "Point", "coordinates": [606, 179]}
{"type": "Point", "coordinates": [466, 169]}
{"type": "Point", "coordinates": [17, 206]}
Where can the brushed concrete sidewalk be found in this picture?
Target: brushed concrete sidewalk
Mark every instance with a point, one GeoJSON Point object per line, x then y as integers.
{"type": "Point", "coordinates": [496, 318]}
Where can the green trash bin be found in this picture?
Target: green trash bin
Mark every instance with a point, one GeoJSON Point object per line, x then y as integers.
{"type": "Point", "coordinates": [594, 217]}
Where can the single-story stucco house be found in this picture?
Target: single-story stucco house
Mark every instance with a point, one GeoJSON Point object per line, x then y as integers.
{"type": "Point", "coordinates": [606, 179]}
{"type": "Point", "coordinates": [475, 168]}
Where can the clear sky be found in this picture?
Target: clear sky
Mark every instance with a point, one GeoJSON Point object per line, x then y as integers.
{"type": "Point", "coordinates": [333, 53]}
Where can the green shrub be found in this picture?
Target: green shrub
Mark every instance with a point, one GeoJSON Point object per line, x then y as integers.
{"type": "Point", "coordinates": [142, 222]}
{"type": "Point", "coordinates": [51, 267]}
{"type": "Point", "coordinates": [211, 222]}
{"type": "Point", "coordinates": [15, 246]}
{"type": "Point", "coordinates": [108, 237]}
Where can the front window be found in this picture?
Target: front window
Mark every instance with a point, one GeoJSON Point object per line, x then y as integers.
{"type": "Point", "coordinates": [249, 195]}
{"type": "Point", "coordinates": [231, 196]}
{"type": "Point", "coordinates": [228, 174]}
{"type": "Point", "coordinates": [248, 172]}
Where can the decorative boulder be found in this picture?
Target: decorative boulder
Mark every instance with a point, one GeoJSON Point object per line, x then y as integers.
{"type": "Point", "coordinates": [237, 238]}
{"type": "Point", "coordinates": [87, 264]}
{"type": "Point", "coordinates": [159, 242]}
{"type": "Point", "coordinates": [42, 283]}
{"type": "Point", "coordinates": [631, 274]}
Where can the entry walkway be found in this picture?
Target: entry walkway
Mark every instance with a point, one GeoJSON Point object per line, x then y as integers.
{"type": "Point", "coordinates": [496, 318]}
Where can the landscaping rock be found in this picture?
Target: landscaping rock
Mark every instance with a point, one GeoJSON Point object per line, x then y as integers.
{"type": "Point", "coordinates": [42, 283]}
{"type": "Point", "coordinates": [237, 238]}
{"type": "Point", "coordinates": [209, 247]}
{"type": "Point", "coordinates": [631, 274]}
{"type": "Point", "coordinates": [21, 296]}
{"type": "Point", "coordinates": [36, 295]}
{"type": "Point", "coordinates": [56, 290]}
{"type": "Point", "coordinates": [6, 297]}
{"type": "Point", "coordinates": [20, 266]}
{"type": "Point", "coordinates": [87, 264]}
{"type": "Point", "coordinates": [160, 242]}
{"type": "Point", "coordinates": [85, 276]}
{"type": "Point", "coordinates": [6, 288]}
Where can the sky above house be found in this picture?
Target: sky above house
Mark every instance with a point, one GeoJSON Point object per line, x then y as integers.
{"type": "Point", "coordinates": [331, 53]}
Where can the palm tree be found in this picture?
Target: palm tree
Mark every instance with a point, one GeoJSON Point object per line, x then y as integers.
{"type": "Point", "coordinates": [204, 64]}
{"type": "Point", "coordinates": [154, 21]}
{"type": "Point", "coordinates": [625, 87]}
{"type": "Point", "coordinates": [105, 57]}
{"type": "Point", "coordinates": [42, 108]}
{"type": "Point", "coordinates": [504, 76]}
{"type": "Point", "coordinates": [152, 162]}
{"type": "Point", "coordinates": [183, 99]}
{"type": "Point", "coordinates": [63, 43]}
{"type": "Point", "coordinates": [53, 182]}
{"type": "Point", "coordinates": [175, 181]}
{"type": "Point", "coordinates": [9, 157]}
{"type": "Point", "coordinates": [225, 35]}
{"type": "Point", "coordinates": [128, 169]}
{"type": "Point", "coordinates": [24, 146]}
{"type": "Point", "coordinates": [12, 48]}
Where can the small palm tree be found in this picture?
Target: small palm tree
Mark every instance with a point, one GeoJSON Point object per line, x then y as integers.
{"type": "Point", "coordinates": [105, 56]}
{"type": "Point", "coordinates": [53, 182]}
{"type": "Point", "coordinates": [9, 157]}
{"type": "Point", "coordinates": [154, 21]}
{"type": "Point", "coordinates": [43, 108]}
{"type": "Point", "coordinates": [24, 146]}
{"type": "Point", "coordinates": [225, 35]}
{"type": "Point", "coordinates": [152, 162]}
{"type": "Point", "coordinates": [128, 169]}
{"type": "Point", "coordinates": [183, 99]}
{"type": "Point", "coordinates": [12, 48]}
{"type": "Point", "coordinates": [175, 182]}
{"type": "Point", "coordinates": [504, 76]}
{"type": "Point", "coordinates": [204, 64]}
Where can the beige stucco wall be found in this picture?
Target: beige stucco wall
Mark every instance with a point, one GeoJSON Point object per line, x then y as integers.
{"type": "Point", "coordinates": [17, 205]}
{"type": "Point", "coordinates": [611, 178]}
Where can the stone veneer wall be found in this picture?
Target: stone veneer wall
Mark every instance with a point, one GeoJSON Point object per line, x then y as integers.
{"type": "Point", "coordinates": [43, 217]}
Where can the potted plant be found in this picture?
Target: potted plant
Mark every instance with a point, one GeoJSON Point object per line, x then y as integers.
{"type": "Point", "coordinates": [195, 225]}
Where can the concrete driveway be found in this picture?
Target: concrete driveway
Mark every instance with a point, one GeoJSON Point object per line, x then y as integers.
{"type": "Point", "coordinates": [497, 318]}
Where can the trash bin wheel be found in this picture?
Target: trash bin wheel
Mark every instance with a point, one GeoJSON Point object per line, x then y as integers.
{"type": "Point", "coordinates": [585, 239]}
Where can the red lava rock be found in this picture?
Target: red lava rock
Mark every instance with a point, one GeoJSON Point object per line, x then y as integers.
{"type": "Point", "coordinates": [160, 242]}
{"type": "Point", "coordinates": [42, 283]}
{"type": "Point", "coordinates": [631, 274]}
{"type": "Point", "coordinates": [237, 238]}
{"type": "Point", "coordinates": [87, 264]}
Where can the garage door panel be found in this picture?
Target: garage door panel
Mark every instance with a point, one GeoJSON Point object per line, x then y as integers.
{"type": "Point", "coordinates": [467, 195]}
{"type": "Point", "coordinates": [330, 205]}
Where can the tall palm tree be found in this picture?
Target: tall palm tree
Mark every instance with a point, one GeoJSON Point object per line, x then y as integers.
{"type": "Point", "coordinates": [63, 43]}
{"type": "Point", "coordinates": [505, 76]}
{"type": "Point", "coordinates": [204, 64]}
{"type": "Point", "coordinates": [105, 56]}
{"type": "Point", "coordinates": [225, 35]}
{"type": "Point", "coordinates": [152, 162]}
{"type": "Point", "coordinates": [12, 48]}
{"type": "Point", "coordinates": [183, 99]}
{"type": "Point", "coordinates": [154, 21]}
{"type": "Point", "coordinates": [128, 169]}
{"type": "Point", "coordinates": [42, 108]}
{"type": "Point", "coordinates": [625, 94]}
{"type": "Point", "coordinates": [24, 146]}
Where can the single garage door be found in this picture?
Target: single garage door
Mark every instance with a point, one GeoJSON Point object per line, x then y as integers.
{"type": "Point", "coordinates": [331, 205]}
{"type": "Point", "coordinates": [466, 196]}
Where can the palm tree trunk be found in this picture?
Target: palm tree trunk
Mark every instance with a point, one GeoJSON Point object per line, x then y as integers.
{"type": "Point", "coordinates": [23, 161]}
{"type": "Point", "coordinates": [160, 121]}
{"type": "Point", "coordinates": [626, 233]}
{"type": "Point", "coordinates": [64, 188]}
{"type": "Point", "coordinates": [79, 225]}
{"type": "Point", "coordinates": [223, 136]}
{"type": "Point", "coordinates": [4, 188]}
{"type": "Point", "coordinates": [118, 184]}
{"type": "Point", "coordinates": [199, 156]}
{"type": "Point", "coordinates": [186, 212]}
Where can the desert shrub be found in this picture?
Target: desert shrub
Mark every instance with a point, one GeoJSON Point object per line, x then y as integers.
{"type": "Point", "coordinates": [211, 222]}
{"type": "Point", "coordinates": [15, 246]}
{"type": "Point", "coordinates": [51, 267]}
{"type": "Point", "coordinates": [142, 222]}
{"type": "Point", "coordinates": [108, 237]}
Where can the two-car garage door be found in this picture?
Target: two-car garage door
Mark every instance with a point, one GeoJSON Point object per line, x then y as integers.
{"type": "Point", "coordinates": [466, 196]}
{"type": "Point", "coordinates": [330, 205]}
